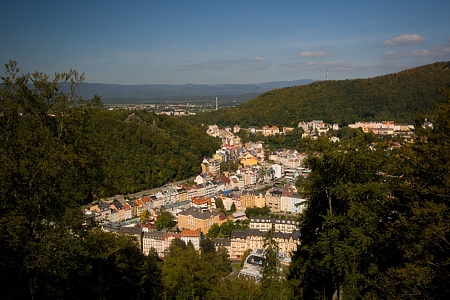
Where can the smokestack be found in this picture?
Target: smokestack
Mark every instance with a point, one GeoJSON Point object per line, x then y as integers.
{"type": "Point", "coordinates": [217, 104]}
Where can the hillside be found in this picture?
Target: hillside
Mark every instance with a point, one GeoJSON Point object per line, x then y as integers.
{"type": "Point", "coordinates": [398, 96]}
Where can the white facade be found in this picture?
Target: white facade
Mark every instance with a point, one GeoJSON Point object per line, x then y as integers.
{"type": "Point", "coordinates": [277, 168]}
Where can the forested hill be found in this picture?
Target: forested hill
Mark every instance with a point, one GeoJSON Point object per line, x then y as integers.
{"type": "Point", "coordinates": [399, 97]}
{"type": "Point", "coordinates": [66, 139]}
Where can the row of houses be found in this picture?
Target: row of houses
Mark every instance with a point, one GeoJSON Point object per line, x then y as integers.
{"type": "Point", "coordinates": [278, 199]}
{"type": "Point", "coordinates": [286, 235]}
{"type": "Point", "coordinates": [383, 128]}
{"type": "Point", "coordinates": [239, 242]}
{"type": "Point", "coordinates": [160, 240]}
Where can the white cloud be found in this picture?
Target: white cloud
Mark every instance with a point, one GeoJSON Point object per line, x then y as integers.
{"type": "Point", "coordinates": [405, 40]}
{"type": "Point", "coordinates": [312, 54]}
{"type": "Point", "coordinates": [436, 52]}
{"type": "Point", "coordinates": [258, 59]}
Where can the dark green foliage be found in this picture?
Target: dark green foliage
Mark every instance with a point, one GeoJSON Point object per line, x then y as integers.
{"type": "Point", "coordinates": [58, 151]}
{"type": "Point", "coordinates": [219, 204]}
{"type": "Point", "coordinates": [257, 211]}
{"type": "Point", "coordinates": [145, 150]}
{"type": "Point", "coordinates": [225, 229]}
{"type": "Point", "coordinates": [398, 97]}
{"type": "Point", "coordinates": [377, 223]}
{"type": "Point", "coordinates": [207, 246]}
{"type": "Point", "coordinates": [237, 289]}
{"type": "Point", "coordinates": [188, 275]}
{"type": "Point", "coordinates": [164, 220]}
{"type": "Point", "coordinates": [214, 231]}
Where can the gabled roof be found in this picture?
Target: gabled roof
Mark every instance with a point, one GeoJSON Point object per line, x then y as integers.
{"type": "Point", "coordinates": [220, 242]}
{"type": "Point", "coordinates": [131, 230]}
{"type": "Point", "coordinates": [191, 233]}
{"type": "Point", "coordinates": [198, 213]}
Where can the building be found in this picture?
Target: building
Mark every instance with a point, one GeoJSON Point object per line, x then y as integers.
{"type": "Point", "coordinates": [194, 218]}
{"type": "Point", "coordinates": [203, 203]}
{"type": "Point", "coordinates": [241, 240]}
{"type": "Point", "coordinates": [192, 236]}
{"type": "Point", "coordinates": [279, 224]}
{"type": "Point", "coordinates": [222, 243]}
{"type": "Point", "coordinates": [251, 199]}
{"type": "Point", "coordinates": [158, 240]}
{"type": "Point", "coordinates": [273, 200]}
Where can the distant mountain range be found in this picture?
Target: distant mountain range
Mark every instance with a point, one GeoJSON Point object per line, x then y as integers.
{"type": "Point", "coordinates": [116, 93]}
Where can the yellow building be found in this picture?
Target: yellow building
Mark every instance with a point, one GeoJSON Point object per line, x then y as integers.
{"type": "Point", "coordinates": [194, 218]}
{"type": "Point", "coordinates": [250, 199]}
{"type": "Point", "coordinates": [248, 160]}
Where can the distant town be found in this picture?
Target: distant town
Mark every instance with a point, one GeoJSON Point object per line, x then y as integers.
{"type": "Point", "coordinates": [261, 179]}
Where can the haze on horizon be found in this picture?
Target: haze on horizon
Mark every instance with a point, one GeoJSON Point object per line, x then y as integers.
{"type": "Point", "coordinates": [207, 42]}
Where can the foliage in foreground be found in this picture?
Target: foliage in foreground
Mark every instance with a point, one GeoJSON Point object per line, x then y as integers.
{"type": "Point", "coordinates": [377, 222]}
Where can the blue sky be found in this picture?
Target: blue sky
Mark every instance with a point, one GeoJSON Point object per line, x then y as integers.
{"type": "Point", "coordinates": [211, 42]}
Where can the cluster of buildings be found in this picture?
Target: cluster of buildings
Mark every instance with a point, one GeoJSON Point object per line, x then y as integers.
{"type": "Point", "coordinates": [278, 200]}
{"type": "Point", "coordinates": [311, 128]}
{"type": "Point", "coordinates": [384, 128]}
{"type": "Point", "coordinates": [287, 235]}
{"type": "Point", "coordinates": [194, 206]}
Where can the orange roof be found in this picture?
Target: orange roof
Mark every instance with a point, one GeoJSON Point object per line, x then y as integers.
{"type": "Point", "coordinates": [146, 199]}
{"type": "Point", "coordinates": [171, 234]}
{"type": "Point", "coordinates": [201, 200]}
{"type": "Point", "coordinates": [193, 233]}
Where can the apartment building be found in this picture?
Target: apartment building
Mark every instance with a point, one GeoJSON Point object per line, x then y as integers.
{"type": "Point", "coordinates": [194, 218]}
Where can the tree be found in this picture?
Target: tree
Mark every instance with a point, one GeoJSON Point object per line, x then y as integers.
{"type": "Point", "coordinates": [226, 229]}
{"type": "Point", "coordinates": [51, 162]}
{"type": "Point", "coordinates": [214, 231]}
{"type": "Point", "coordinates": [43, 154]}
{"type": "Point", "coordinates": [348, 218]}
{"type": "Point", "coordinates": [244, 256]}
{"type": "Point", "coordinates": [271, 263]}
{"type": "Point", "coordinates": [188, 275]}
{"type": "Point", "coordinates": [207, 246]}
{"type": "Point", "coordinates": [233, 207]}
{"type": "Point", "coordinates": [236, 289]}
{"type": "Point", "coordinates": [144, 216]}
{"type": "Point", "coordinates": [422, 231]}
{"type": "Point", "coordinates": [219, 204]}
{"type": "Point", "coordinates": [164, 220]}
{"type": "Point", "coordinates": [257, 211]}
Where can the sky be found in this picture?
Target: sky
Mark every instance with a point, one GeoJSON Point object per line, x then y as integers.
{"type": "Point", "coordinates": [223, 42]}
